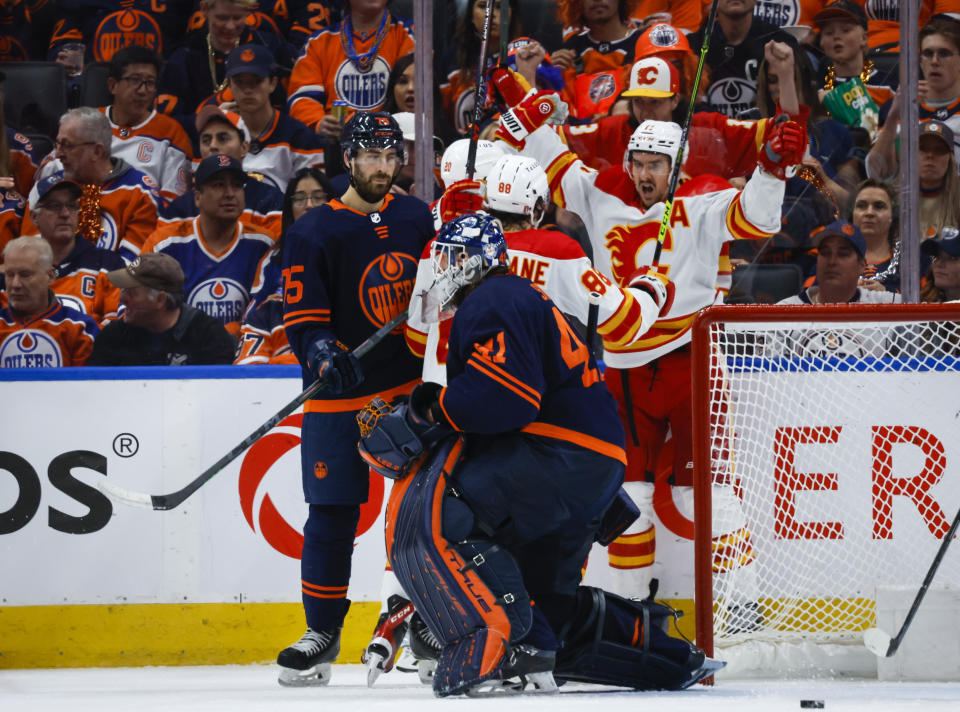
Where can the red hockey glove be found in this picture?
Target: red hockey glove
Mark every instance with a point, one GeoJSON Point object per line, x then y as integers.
{"type": "Point", "coordinates": [785, 146]}
{"type": "Point", "coordinates": [529, 115]}
{"type": "Point", "coordinates": [657, 285]}
{"type": "Point", "coordinates": [464, 196]}
{"type": "Point", "coordinates": [511, 86]}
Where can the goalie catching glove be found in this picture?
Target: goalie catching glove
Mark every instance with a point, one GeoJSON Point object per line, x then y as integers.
{"type": "Point", "coordinates": [537, 109]}
{"type": "Point", "coordinates": [784, 148]}
{"type": "Point", "coordinates": [332, 364]}
{"type": "Point", "coordinates": [394, 437]}
{"type": "Point", "coordinates": [657, 285]}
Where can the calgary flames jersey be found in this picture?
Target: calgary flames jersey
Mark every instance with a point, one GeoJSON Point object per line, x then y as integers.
{"type": "Point", "coordinates": [556, 264]}
{"type": "Point", "coordinates": [624, 238]}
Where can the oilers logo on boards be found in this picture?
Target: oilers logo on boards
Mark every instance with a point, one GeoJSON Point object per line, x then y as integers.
{"type": "Point", "coordinates": [123, 28]}
{"type": "Point", "coordinates": [363, 90]}
{"type": "Point", "coordinates": [386, 286]}
{"type": "Point", "coordinates": [223, 299]}
{"type": "Point", "coordinates": [109, 234]}
{"type": "Point", "coordinates": [30, 348]}
{"type": "Point", "coordinates": [779, 13]}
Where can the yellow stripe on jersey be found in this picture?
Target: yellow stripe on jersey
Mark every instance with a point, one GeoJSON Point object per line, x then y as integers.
{"type": "Point", "coordinates": [622, 327]}
{"type": "Point", "coordinates": [739, 226]}
{"type": "Point", "coordinates": [555, 172]}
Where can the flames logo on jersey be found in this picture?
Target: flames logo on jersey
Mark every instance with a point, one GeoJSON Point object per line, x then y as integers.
{"type": "Point", "coordinates": [223, 299]}
{"type": "Point", "coordinates": [386, 286]}
{"type": "Point", "coordinates": [262, 469]}
{"type": "Point", "coordinates": [624, 243]}
{"type": "Point", "coordinates": [30, 348]}
{"type": "Point", "coordinates": [363, 90]}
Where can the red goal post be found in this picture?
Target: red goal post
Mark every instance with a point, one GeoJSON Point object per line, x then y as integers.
{"type": "Point", "coordinates": [831, 428]}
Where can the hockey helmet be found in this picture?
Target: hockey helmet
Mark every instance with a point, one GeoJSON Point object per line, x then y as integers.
{"type": "Point", "coordinates": [464, 252]}
{"type": "Point", "coordinates": [517, 185]}
{"type": "Point", "coordinates": [453, 165]}
{"type": "Point", "coordinates": [654, 137]}
{"type": "Point", "coordinates": [372, 129]}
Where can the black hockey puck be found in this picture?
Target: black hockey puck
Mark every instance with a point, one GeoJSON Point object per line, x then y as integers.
{"type": "Point", "coordinates": [811, 704]}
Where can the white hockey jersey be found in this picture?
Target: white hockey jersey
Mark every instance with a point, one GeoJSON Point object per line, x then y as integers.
{"type": "Point", "coordinates": [624, 238]}
{"type": "Point", "coordinates": [556, 264]}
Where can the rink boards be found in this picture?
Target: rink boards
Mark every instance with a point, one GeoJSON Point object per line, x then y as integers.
{"type": "Point", "coordinates": [90, 582]}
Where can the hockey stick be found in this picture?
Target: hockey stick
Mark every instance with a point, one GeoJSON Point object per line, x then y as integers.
{"type": "Point", "coordinates": [174, 499]}
{"type": "Point", "coordinates": [479, 91]}
{"type": "Point", "coordinates": [881, 644]}
{"type": "Point", "coordinates": [593, 314]}
{"type": "Point", "coordinates": [675, 173]}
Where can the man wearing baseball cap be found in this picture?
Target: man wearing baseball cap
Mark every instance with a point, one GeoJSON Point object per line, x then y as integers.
{"type": "Point", "coordinates": [841, 259]}
{"type": "Point", "coordinates": [156, 328]}
{"type": "Point", "coordinates": [218, 253]}
{"type": "Point", "coordinates": [225, 132]}
{"type": "Point", "coordinates": [279, 144]}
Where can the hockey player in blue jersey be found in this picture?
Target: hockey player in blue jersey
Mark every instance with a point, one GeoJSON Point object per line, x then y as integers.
{"type": "Point", "coordinates": [516, 467]}
{"type": "Point", "coordinates": [348, 268]}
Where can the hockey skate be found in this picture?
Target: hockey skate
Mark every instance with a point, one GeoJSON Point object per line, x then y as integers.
{"type": "Point", "coordinates": [381, 652]}
{"type": "Point", "coordinates": [526, 670]}
{"type": "Point", "coordinates": [425, 648]}
{"type": "Point", "coordinates": [307, 662]}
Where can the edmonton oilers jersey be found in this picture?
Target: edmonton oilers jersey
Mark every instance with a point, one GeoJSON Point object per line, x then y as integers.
{"type": "Point", "coordinates": [515, 363]}
{"type": "Point", "coordinates": [346, 274]}
{"type": "Point", "coordinates": [60, 336]}
{"type": "Point", "coordinates": [217, 283]}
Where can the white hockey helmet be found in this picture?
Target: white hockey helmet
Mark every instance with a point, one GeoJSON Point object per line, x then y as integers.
{"type": "Point", "coordinates": [654, 137]}
{"type": "Point", "coordinates": [453, 165]}
{"type": "Point", "coordinates": [517, 185]}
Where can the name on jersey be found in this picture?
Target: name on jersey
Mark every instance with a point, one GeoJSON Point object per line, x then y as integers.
{"type": "Point", "coordinates": [363, 90]}
{"type": "Point", "coordinates": [534, 270]}
{"type": "Point", "coordinates": [223, 299]}
{"type": "Point", "coordinates": [30, 348]}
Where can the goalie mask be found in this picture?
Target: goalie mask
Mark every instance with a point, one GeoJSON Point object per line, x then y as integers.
{"type": "Point", "coordinates": [518, 185]}
{"type": "Point", "coordinates": [654, 137]}
{"type": "Point", "coordinates": [464, 252]}
{"type": "Point", "coordinates": [453, 165]}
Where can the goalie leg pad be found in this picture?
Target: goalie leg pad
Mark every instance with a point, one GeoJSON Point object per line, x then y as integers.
{"type": "Point", "coordinates": [470, 595]}
{"type": "Point", "coordinates": [616, 641]}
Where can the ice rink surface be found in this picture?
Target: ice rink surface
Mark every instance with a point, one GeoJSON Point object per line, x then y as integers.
{"type": "Point", "coordinates": [253, 688]}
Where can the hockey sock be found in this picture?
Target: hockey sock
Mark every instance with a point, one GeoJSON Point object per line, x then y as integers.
{"type": "Point", "coordinates": [325, 564]}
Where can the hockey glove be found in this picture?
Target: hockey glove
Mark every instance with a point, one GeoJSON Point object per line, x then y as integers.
{"type": "Point", "coordinates": [511, 86]}
{"type": "Point", "coordinates": [785, 146]}
{"type": "Point", "coordinates": [333, 365]}
{"type": "Point", "coordinates": [464, 196]}
{"type": "Point", "coordinates": [529, 115]}
{"type": "Point", "coordinates": [655, 284]}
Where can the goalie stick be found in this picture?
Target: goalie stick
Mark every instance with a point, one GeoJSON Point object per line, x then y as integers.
{"type": "Point", "coordinates": [675, 173]}
{"type": "Point", "coordinates": [174, 499]}
{"type": "Point", "coordinates": [881, 644]}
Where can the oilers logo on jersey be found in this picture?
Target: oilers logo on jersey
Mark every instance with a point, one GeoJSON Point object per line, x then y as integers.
{"type": "Point", "coordinates": [731, 95]}
{"type": "Point", "coordinates": [779, 13]}
{"type": "Point", "coordinates": [68, 300]}
{"type": "Point", "coordinates": [123, 28]}
{"type": "Point", "coordinates": [386, 286]}
{"type": "Point", "coordinates": [223, 299]}
{"type": "Point", "coordinates": [363, 90]}
{"type": "Point", "coordinates": [30, 348]}
{"type": "Point", "coordinates": [109, 234]}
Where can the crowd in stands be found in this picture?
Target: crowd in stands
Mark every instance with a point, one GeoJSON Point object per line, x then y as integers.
{"type": "Point", "coordinates": [222, 123]}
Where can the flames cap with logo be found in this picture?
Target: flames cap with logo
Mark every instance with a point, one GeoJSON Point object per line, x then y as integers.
{"type": "Point", "coordinates": [841, 10]}
{"type": "Point", "coordinates": [214, 165]}
{"type": "Point", "coordinates": [251, 59]}
{"type": "Point", "coordinates": [653, 77]}
{"type": "Point", "coordinates": [155, 270]}
{"type": "Point", "coordinates": [843, 229]}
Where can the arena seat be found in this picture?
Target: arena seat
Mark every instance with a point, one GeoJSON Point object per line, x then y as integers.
{"type": "Point", "coordinates": [34, 96]}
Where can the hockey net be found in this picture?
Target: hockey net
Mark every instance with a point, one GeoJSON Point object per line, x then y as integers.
{"type": "Point", "coordinates": [826, 456]}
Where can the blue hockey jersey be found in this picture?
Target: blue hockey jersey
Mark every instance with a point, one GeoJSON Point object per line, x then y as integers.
{"type": "Point", "coordinates": [515, 363]}
{"type": "Point", "coordinates": [346, 274]}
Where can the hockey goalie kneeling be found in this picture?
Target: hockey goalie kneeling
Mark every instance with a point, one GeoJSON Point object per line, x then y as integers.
{"type": "Point", "coordinates": [505, 477]}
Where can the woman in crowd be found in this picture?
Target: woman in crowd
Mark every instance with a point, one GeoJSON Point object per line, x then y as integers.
{"type": "Point", "coordinates": [874, 211]}
{"type": "Point", "coordinates": [262, 338]}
